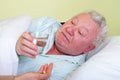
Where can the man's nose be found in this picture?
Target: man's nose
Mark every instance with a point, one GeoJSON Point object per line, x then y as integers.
{"type": "Point", "coordinates": [70, 30]}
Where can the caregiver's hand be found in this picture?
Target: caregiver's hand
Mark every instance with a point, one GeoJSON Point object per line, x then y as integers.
{"type": "Point", "coordinates": [25, 46]}
{"type": "Point", "coordinates": [43, 74]}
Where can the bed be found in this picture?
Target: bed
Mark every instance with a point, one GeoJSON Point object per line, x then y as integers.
{"type": "Point", "coordinates": [102, 64]}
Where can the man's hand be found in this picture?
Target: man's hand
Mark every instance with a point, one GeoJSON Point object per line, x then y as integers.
{"type": "Point", "coordinates": [25, 46]}
{"type": "Point", "coordinates": [43, 74]}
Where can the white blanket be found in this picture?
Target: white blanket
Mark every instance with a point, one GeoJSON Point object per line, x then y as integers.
{"type": "Point", "coordinates": [10, 30]}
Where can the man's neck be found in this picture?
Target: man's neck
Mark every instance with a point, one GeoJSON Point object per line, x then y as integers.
{"type": "Point", "coordinates": [54, 51]}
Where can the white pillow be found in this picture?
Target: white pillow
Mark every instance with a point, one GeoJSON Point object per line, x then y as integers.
{"type": "Point", "coordinates": [96, 50]}
{"type": "Point", "coordinates": [10, 30]}
{"type": "Point", "coordinates": [105, 65]}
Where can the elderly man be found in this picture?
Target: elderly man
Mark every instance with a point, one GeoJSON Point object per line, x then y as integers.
{"type": "Point", "coordinates": [66, 46]}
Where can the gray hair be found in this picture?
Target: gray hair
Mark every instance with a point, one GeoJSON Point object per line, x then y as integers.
{"type": "Point", "coordinates": [102, 22]}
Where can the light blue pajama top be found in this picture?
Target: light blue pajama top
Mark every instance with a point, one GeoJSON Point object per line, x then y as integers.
{"type": "Point", "coordinates": [62, 64]}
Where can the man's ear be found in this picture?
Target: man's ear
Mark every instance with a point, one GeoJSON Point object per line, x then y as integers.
{"type": "Point", "coordinates": [89, 48]}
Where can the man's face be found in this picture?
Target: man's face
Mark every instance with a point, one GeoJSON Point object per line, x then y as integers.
{"type": "Point", "coordinates": [76, 35]}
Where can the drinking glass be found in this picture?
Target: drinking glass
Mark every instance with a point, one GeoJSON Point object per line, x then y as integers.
{"type": "Point", "coordinates": [40, 39]}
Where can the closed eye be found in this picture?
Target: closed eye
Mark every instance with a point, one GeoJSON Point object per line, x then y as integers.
{"type": "Point", "coordinates": [80, 33]}
{"type": "Point", "coordinates": [72, 23]}
{"type": "Point", "coordinates": [83, 31]}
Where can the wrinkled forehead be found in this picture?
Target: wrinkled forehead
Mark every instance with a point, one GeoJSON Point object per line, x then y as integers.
{"type": "Point", "coordinates": [84, 18]}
